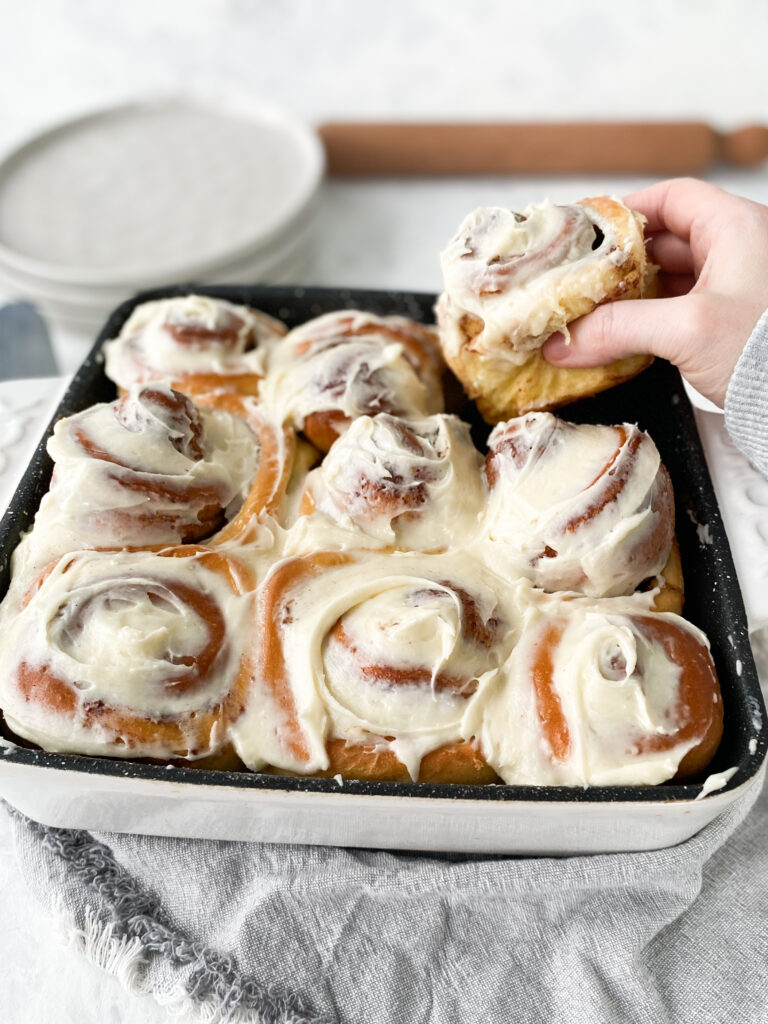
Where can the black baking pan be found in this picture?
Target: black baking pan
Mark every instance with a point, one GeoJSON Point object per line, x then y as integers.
{"type": "Point", "coordinates": [655, 400]}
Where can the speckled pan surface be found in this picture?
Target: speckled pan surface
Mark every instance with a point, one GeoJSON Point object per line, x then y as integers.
{"type": "Point", "coordinates": [181, 801]}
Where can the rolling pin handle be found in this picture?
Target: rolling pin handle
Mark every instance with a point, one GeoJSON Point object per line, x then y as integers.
{"type": "Point", "coordinates": [745, 147]}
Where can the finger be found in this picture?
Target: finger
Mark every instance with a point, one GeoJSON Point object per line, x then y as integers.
{"type": "Point", "coordinates": [618, 329]}
{"type": "Point", "coordinates": [676, 204]}
{"type": "Point", "coordinates": [673, 254]}
{"type": "Point", "coordinates": [672, 285]}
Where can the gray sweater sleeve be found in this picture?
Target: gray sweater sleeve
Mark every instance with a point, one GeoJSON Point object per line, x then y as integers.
{"type": "Point", "coordinates": [746, 401]}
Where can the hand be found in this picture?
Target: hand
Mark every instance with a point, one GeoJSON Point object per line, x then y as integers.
{"type": "Point", "coordinates": [712, 250]}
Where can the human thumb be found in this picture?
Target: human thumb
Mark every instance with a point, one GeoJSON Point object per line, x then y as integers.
{"type": "Point", "coordinates": [660, 327]}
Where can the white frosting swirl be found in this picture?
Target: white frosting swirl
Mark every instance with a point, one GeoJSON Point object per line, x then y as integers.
{"type": "Point", "coordinates": [609, 713]}
{"type": "Point", "coordinates": [355, 364]}
{"type": "Point", "coordinates": [170, 339]}
{"type": "Point", "coordinates": [142, 470]}
{"type": "Point", "coordinates": [413, 483]}
{"type": "Point", "coordinates": [437, 641]}
{"type": "Point", "coordinates": [513, 271]}
{"type": "Point", "coordinates": [584, 507]}
{"type": "Point", "coordinates": [149, 635]}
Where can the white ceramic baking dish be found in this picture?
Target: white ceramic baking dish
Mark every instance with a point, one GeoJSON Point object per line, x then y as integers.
{"type": "Point", "coordinates": [111, 795]}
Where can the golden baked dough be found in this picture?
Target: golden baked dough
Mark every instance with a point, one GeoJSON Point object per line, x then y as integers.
{"type": "Point", "coordinates": [512, 280]}
{"type": "Point", "coordinates": [671, 590]}
{"type": "Point", "coordinates": [455, 763]}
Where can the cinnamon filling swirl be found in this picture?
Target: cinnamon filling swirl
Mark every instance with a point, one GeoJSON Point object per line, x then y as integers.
{"type": "Point", "coordinates": [604, 696]}
{"type": "Point", "coordinates": [151, 468]}
{"type": "Point", "coordinates": [341, 366]}
{"type": "Point", "coordinates": [582, 508]}
{"type": "Point", "coordinates": [132, 653]}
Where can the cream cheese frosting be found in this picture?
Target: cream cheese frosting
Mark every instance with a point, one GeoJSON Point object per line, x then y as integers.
{"type": "Point", "coordinates": [145, 470]}
{"type": "Point", "coordinates": [586, 508]}
{"type": "Point", "coordinates": [172, 338]}
{"type": "Point", "coordinates": [133, 631]}
{"type": "Point", "coordinates": [514, 273]}
{"type": "Point", "coordinates": [413, 483]}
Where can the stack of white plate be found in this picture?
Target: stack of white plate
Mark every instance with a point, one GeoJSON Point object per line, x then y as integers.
{"type": "Point", "coordinates": [148, 194]}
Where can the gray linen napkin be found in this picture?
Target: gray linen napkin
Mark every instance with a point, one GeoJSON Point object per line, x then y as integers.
{"type": "Point", "coordinates": [253, 932]}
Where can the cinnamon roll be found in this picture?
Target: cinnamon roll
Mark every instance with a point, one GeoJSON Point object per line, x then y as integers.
{"type": "Point", "coordinates": [348, 364]}
{"type": "Point", "coordinates": [577, 507]}
{"type": "Point", "coordinates": [513, 279]}
{"type": "Point", "coordinates": [412, 484]}
{"type": "Point", "coordinates": [193, 342]}
{"type": "Point", "coordinates": [595, 694]}
{"type": "Point", "coordinates": [130, 654]}
{"type": "Point", "coordinates": [367, 664]}
{"type": "Point", "coordinates": [154, 468]}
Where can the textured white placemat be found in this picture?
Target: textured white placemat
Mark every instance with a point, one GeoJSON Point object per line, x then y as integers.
{"type": "Point", "coordinates": [26, 406]}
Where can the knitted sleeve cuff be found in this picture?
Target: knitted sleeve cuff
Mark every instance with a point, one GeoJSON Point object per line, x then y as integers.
{"type": "Point", "coordinates": [746, 401]}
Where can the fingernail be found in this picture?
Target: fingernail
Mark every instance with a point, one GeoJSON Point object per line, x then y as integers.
{"type": "Point", "coordinates": [556, 346]}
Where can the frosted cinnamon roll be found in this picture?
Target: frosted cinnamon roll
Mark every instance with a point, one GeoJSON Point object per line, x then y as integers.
{"type": "Point", "coordinates": [577, 507]}
{"type": "Point", "coordinates": [596, 695]}
{"type": "Point", "coordinates": [193, 342]}
{"type": "Point", "coordinates": [367, 665]}
{"type": "Point", "coordinates": [153, 468]}
{"type": "Point", "coordinates": [130, 654]}
{"type": "Point", "coordinates": [415, 484]}
{"type": "Point", "coordinates": [348, 364]}
{"type": "Point", "coordinates": [513, 279]}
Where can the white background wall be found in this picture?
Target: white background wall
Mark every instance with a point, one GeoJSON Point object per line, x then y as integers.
{"type": "Point", "coordinates": [394, 58]}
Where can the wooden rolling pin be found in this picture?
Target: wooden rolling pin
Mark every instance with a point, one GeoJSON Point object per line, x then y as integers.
{"type": "Point", "coordinates": [685, 147]}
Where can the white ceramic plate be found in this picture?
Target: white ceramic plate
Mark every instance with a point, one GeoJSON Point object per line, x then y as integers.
{"type": "Point", "coordinates": [150, 192]}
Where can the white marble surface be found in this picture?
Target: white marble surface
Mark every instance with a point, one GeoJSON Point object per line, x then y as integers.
{"type": "Point", "coordinates": [343, 59]}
